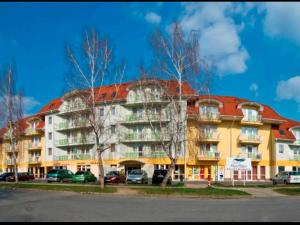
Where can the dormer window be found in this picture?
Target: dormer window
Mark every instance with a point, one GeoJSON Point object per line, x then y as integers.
{"type": "Point", "coordinates": [250, 114]}
{"type": "Point", "coordinates": [209, 111]}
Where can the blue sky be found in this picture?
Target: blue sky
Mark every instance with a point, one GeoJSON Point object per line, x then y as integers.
{"type": "Point", "coordinates": [255, 47]}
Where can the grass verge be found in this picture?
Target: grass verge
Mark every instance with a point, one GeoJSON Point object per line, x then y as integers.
{"type": "Point", "coordinates": [191, 191]}
{"type": "Point", "coordinates": [288, 191]}
{"type": "Point", "coordinates": [242, 186]}
{"type": "Point", "coordinates": [52, 187]}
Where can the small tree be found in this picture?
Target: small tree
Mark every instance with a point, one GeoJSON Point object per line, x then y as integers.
{"type": "Point", "coordinates": [176, 57]}
{"type": "Point", "coordinates": [89, 74]}
{"type": "Point", "coordinates": [11, 111]}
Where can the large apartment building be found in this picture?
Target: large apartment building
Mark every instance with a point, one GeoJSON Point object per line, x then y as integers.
{"type": "Point", "coordinates": [217, 127]}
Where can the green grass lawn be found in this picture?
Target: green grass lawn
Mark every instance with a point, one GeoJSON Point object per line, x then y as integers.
{"type": "Point", "coordinates": [60, 187]}
{"type": "Point", "coordinates": [288, 191]}
{"type": "Point", "coordinates": [191, 191]}
{"type": "Point", "coordinates": [242, 186]}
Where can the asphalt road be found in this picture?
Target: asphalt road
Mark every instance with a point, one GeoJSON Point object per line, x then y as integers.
{"type": "Point", "coordinates": [26, 205]}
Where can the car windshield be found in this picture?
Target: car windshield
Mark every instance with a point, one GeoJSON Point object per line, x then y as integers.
{"type": "Point", "coordinates": [294, 173]}
{"type": "Point", "coordinates": [79, 173]}
{"type": "Point", "coordinates": [112, 173]}
{"type": "Point", "coordinates": [136, 172]}
{"type": "Point", "coordinates": [52, 171]}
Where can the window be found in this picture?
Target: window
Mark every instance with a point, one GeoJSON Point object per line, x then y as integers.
{"type": "Point", "coordinates": [140, 150]}
{"type": "Point", "coordinates": [281, 148]}
{"type": "Point", "coordinates": [250, 114]}
{"type": "Point", "coordinates": [101, 111]}
{"type": "Point", "coordinates": [113, 129]}
{"type": "Point", "coordinates": [208, 110]}
{"type": "Point", "coordinates": [113, 110]}
{"type": "Point", "coordinates": [50, 119]}
{"type": "Point", "coordinates": [113, 94]}
{"type": "Point", "coordinates": [113, 147]}
{"type": "Point", "coordinates": [50, 135]}
{"type": "Point", "coordinates": [49, 151]}
{"type": "Point", "coordinates": [281, 169]}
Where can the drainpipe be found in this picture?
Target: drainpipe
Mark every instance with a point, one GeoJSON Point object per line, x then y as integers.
{"type": "Point", "coordinates": [232, 172]}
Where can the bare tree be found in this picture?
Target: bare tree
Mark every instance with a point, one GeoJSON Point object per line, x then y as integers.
{"type": "Point", "coordinates": [176, 57]}
{"type": "Point", "coordinates": [93, 69]}
{"type": "Point", "coordinates": [11, 111]}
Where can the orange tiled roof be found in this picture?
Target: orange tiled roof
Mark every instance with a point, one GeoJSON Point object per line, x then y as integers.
{"type": "Point", "coordinates": [105, 93]}
{"type": "Point", "coordinates": [283, 131]}
{"type": "Point", "coordinates": [230, 107]}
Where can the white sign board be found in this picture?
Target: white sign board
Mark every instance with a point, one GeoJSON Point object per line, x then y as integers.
{"type": "Point", "coordinates": [237, 163]}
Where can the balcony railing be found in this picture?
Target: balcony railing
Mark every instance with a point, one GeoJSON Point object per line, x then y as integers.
{"type": "Point", "coordinates": [9, 162]}
{"type": "Point", "coordinates": [136, 155]}
{"type": "Point", "coordinates": [254, 156]}
{"type": "Point", "coordinates": [208, 155]}
{"type": "Point", "coordinates": [70, 142]}
{"type": "Point", "coordinates": [34, 145]}
{"type": "Point", "coordinates": [209, 136]}
{"type": "Point", "coordinates": [297, 157]}
{"type": "Point", "coordinates": [250, 138]}
{"type": "Point", "coordinates": [252, 119]}
{"type": "Point", "coordinates": [145, 118]}
{"type": "Point", "coordinates": [132, 137]}
{"type": "Point", "coordinates": [66, 125]}
{"type": "Point", "coordinates": [34, 159]}
{"type": "Point", "coordinates": [73, 157]}
{"type": "Point", "coordinates": [7, 148]}
{"type": "Point", "coordinates": [210, 116]}
{"type": "Point", "coordinates": [31, 131]}
{"type": "Point", "coordinates": [73, 108]}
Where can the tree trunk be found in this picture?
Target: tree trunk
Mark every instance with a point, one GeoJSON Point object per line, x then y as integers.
{"type": "Point", "coordinates": [101, 171]}
{"type": "Point", "coordinates": [15, 167]}
{"type": "Point", "coordinates": [169, 174]}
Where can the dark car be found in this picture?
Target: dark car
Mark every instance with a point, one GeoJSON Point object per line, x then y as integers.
{"type": "Point", "coordinates": [159, 175]}
{"type": "Point", "coordinates": [114, 177]}
{"type": "Point", "coordinates": [6, 176]}
{"type": "Point", "coordinates": [59, 175]}
{"type": "Point", "coordinates": [25, 176]}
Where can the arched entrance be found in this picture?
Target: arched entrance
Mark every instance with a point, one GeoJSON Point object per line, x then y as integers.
{"type": "Point", "coordinates": [131, 165]}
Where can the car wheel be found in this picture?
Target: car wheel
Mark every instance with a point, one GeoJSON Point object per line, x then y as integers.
{"type": "Point", "coordinates": [61, 180]}
{"type": "Point", "coordinates": [274, 182]}
{"type": "Point", "coordinates": [84, 181]}
{"type": "Point", "coordinates": [6, 179]}
{"type": "Point", "coordinates": [285, 182]}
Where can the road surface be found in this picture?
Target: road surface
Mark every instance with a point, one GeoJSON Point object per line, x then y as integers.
{"type": "Point", "coordinates": [35, 205]}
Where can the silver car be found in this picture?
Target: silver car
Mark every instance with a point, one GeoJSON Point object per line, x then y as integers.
{"type": "Point", "coordinates": [137, 176]}
{"type": "Point", "coordinates": [286, 177]}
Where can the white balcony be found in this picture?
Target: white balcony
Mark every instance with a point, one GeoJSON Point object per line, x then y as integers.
{"type": "Point", "coordinates": [34, 160]}
{"type": "Point", "coordinates": [133, 137]}
{"type": "Point", "coordinates": [252, 120]}
{"type": "Point", "coordinates": [70, 126]}
{"type": "Point", "coordinates": [212, 117]}
{"type": "Point", "coordinates": [135, 119]}
{"type": "Point", "coordinates": [74, 142]}
{"type": "Point", "coordinates": [73, 157]}
{"type": "Point", "coordinates": [208, 155]}
{"type": "Point", "coordinates": [34, 146]}
{"type": "Point", "coordinates": [209, 137]}
{"type": "Point", "coordinates": [72, 109]}
{"type": "Point", "coordinates": [250, 139]}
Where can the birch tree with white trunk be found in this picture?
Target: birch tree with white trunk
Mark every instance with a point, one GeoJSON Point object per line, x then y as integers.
{"type": "Point", "coordinates": [175, 57]}
{"type": "Point", "coordinates": [92, 68]}
{"type": "Point", "coordinates": [11, 101]}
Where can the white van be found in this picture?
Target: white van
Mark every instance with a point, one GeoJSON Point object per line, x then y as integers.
{"type": "Point", "coordinates": [287, 177]}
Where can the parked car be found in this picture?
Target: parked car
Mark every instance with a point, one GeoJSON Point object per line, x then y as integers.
{"type": "Point", "coordinates": [115, 177]}
{"type": "Point", "coordinates": [286, 177]}
{"type": "Point", "coordinates": [137, 176]}
{"type": "Point", "coordinates": [83, 176]}
{"type": "Point", "coordinates": [25, 176]}
{"type": "Point", "coordinates": [6, 176]}
{"type": "Point", "coordinates": [59, 175]}
{"type": "Point", "coordinates": [159, 175]}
